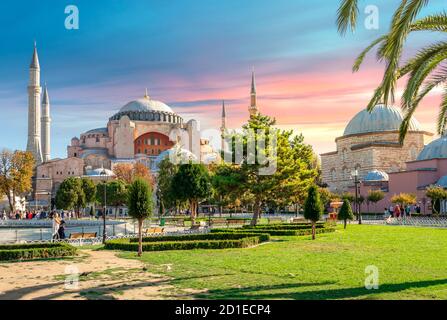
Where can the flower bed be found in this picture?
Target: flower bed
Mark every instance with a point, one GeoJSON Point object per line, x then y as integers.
{"type": "Point", "coordinates": [20, 252]}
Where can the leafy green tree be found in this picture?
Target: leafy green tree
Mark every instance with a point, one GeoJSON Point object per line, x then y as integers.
{"type": "Point", "coordinates": [226, 180]}
{"type": "Point", "coordinates": [375, 196]}
{"type": "Point", "coordinates": [424, 71]}
{"type": "Point", "coordinates": [436, 194]}
{"type": "Point", "coordinates": [192, 183]}
{"type": "Point", "coordinates": [89, 189]}
{"type": "Point", "coordinates": [116, 194]}
{"type": "Point", "coordinates": [313, 208]}
{"type": "Point", "coordinates": [345, 212]}
{"type": "Point", "coordinates": [70, 194]}
{"type": "Point", "coordinates": [165, 188]}
{"type": "Point", "coordinates": [140, 205]}
{"type": "Point", "coordinates": [404, 198]}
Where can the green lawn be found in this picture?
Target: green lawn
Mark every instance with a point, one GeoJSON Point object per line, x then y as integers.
{"type": "Point", "coordinates": [412, 263]}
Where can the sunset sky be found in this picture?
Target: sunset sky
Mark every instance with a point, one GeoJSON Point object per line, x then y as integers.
{"type": "Point", "coordinates": [191, 54]}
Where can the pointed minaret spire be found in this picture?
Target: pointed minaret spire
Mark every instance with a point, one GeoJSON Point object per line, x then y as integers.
{"type": "Point", "coordinates": [253, 109]}
{"type": "Point", "coordinates": [46, 123]}
{"type": "Point", "coordinates": [34, 109]}
{"type": "Point", "coordinates": [146, 95]}
{"type": "Point", "coordinates": [223, 127]}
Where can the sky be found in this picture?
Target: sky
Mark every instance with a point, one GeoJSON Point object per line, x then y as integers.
{"type": "Point", "coordinates": [191, 54]}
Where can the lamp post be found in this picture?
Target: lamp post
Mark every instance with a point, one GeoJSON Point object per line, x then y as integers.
{"type": "Point", "coordinates": [355, 175]}
{"type": "Point", "coordinates": [104, 233]}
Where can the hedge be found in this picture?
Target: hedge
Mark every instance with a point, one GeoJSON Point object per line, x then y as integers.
{"type": "Point", "coordinates": [284, 227]}
{"type": "Point", "coordinates": [208, 236]}
{"type": "Point", "coordinates": [279, 232]}
{"type": "Point", "coordinates": [126, 245]}
{"type": "Point", "coordinates": [35, 251]}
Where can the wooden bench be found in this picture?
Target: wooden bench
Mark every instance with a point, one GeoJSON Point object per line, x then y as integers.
{"type": "Point", "coordinates": [83, 235]}
{"type": "Point", "coordinates": [154, 230]}
{"type": "Point", "coordinates": [215, 222]}
{"type": "Point", "coordinates": [274, 220]}
{"type": "Point", "coordinates": [235, 222]}
{"type": "Point", "coordinates": [295, 220]}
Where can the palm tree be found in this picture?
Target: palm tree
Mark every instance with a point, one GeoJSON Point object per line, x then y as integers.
{"type": "Point", "coordinates": [425, 70]}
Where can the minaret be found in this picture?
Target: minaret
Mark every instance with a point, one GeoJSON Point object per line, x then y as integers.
{"type": "Point", "coordinates": [253, 109]}
{"type": "Point", "coordinates": [223, 127]}
{"type": "Point", "coordinates": [46, 121]}
{"type": "Point", "coordinates": [34, 91]}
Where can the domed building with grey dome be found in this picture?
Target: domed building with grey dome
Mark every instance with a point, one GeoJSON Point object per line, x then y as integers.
{"type": "Point", "coordinates": [370, 145]}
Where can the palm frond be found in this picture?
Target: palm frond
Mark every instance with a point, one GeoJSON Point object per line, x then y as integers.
{"type": "Point", "coordinates": [359, 60]}
{"type": "Point", "coordinates": [434, 22]}
{"type": "Point", "coordinates": [442, 116]}
{"type": "Point", "coordinates": [347, 15]}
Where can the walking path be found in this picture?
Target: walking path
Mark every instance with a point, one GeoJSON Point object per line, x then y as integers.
{"type": "Point", "coordinates": [102, 275]}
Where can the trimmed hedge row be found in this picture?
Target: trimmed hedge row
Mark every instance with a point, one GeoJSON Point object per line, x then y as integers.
{"type": "Point", "coordinates": [126, 245]}
{"type": "Point", "coordinates": [35, 251]}
{"type": "Point", "coordinates": [276, 232]}
{"type": "Point", "coordinates": [208, 236]}
{"type": "Point", "coordinates": [284, 226]}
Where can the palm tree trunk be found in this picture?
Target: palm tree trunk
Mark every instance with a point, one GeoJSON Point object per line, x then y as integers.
{"type": "Point", "coordinates": [140, 237]}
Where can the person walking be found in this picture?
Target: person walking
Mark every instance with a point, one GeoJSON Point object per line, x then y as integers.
{"type": "Point", "coordinates": [56, 225]}
{"type": "Point", "coordinates": [397, 211]}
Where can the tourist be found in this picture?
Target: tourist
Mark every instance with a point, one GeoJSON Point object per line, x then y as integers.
{"type": "Point", "coordinates": [418, 208]}
{"type": "Point", "coordinates": [397, 211]}
{"type": "Point", "coordinates": [408, 211]}
{"type": "Point", "coordinates": [61, 231]}
{"type": "Point", "coordinates": [391, 210]}
{"type": "Point", "coordinates": [56, 224]}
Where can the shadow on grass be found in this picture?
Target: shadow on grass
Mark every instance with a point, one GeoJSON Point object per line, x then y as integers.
{"type": "Point", "coordinates": [256, 292]}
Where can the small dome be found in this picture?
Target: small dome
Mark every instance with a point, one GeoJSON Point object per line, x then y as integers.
{"type": "Point", "coordinates": [376, 175]}
{"type": "Point", "coordinates": [382, 118]}
{"type": "Point", "coordinates": [442, 182]}
{"type": "Point", "coordinates": [100, 172]}
{"type": "Point", "coordinates": [175, 155]}
{"type": "Point", "coordinates": [434, 150]}
{"type": "Point", "coordinates": [146, 104]}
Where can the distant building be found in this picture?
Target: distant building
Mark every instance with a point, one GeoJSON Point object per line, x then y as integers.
{"type": "Point", "coordinates": [370, 144]}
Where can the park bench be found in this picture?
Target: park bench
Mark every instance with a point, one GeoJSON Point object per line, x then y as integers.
{"type": "Point", "coordinates": [83, 235]}
{"type": "Point", "coordinates": [235, 222]}
{"type": "Point", "coordinates": [154, 230]}
{"type": "Point", "coordinates": [180, 222]}
{"type": "Point", "coordinates": [199, 225]}
{"type": "Point", "coordinates": [215, 222]}
{"type": "Point", "coordinates": [274, 220]}
{"type": "Point", "coordinates": [295, 220]}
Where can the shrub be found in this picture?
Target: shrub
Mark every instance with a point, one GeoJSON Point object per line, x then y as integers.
{"type": "Point", "coordinates": [287, 226]}
{"type": "Point", "coordinates": [183, 245]}
{"type": "Point", "coordinates": [209, 236]}
{"type": "Point", "coordinates": [35, 251]}
{"type": "Point", "coordinates": [279, 232]}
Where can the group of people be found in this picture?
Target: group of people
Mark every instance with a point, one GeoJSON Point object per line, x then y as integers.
{"type": "Point", "coordinates": [399, 211]}
{"type": "Point", "coordinates": [58, 226]}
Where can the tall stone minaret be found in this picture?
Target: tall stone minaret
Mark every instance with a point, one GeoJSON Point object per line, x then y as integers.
{"type": "Point", "coordinates": [253, 108]}
{"type": "Point", "coordinates": [46, 121]}
{"type": "Point", "coordinates": [34, 92]}
{"type": "Point", "coordinates": [223, 128]}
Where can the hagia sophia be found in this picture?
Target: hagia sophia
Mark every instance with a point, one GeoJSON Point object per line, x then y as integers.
{"type": "Point", "coordinates": [144, 130]}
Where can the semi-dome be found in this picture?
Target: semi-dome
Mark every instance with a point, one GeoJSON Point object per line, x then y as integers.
{"type": "Point", "coordinates": [376, 175]}
{"type": "Point", "coordinates": [100, 172]}
{"type": "Point", "coordinates": [435, 149]}
{"type": "Point", "coordinates": [382, 118]}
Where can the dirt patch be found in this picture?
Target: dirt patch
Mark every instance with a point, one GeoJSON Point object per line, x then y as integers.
{"type": "Point", "coordinates": [93, 275]}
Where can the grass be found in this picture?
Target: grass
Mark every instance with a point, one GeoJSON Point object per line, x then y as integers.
{"type": "Point", "coordinates": [411, 263]}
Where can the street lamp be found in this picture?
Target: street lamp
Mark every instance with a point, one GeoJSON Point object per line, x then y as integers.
{"type": "Point", "coordinates": [355, 175]}
{"type": "Point", "coordinates": [104, 233]}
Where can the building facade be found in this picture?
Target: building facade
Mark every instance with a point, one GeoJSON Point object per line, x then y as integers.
{"type": "Point", "coordinates": [371, 142]}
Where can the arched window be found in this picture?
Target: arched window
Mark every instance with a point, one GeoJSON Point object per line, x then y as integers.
{"type": "Point", "coordinates": [345, 173]}
{"type": "Point", "coordinates": [413, 152]}
{"type": "Point", "coordinates": [344, 155]}
{"type": "Point", "coordinates": [333, 174]}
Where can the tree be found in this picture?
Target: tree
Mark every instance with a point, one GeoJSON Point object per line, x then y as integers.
{"type": "Point", "coordinates": [226, 180]}
{"type": "Point", "coordinates": [345, 212]}
{"type": "Point", "coordinates": [89, 189]}
{"type": "Point", "coordinates": [375, 196]}
{"type": "Point", "coordinates": [165, 189]}
{"type": "Point", "coordinates": [116, 194]}
{"type": "Point", "coordinates": [70, 194]}
{"type": "Point", "coordinates": [313, 208]}
{"type": "Point", "coordinates": [16, 171]}
{"type": "Point", "coordinates": [327, 197]}
{"type": "Point", "coordinates": [140, 205]}
{"type": "Point", "coordinates": [192, 184]}
{"type": "Point", "coordinates": [404, 198]}
{"type": "Point", "coordinates": [436, 194]}
{"type": "Point", "coordinates": [141, 171]}
{"type": "Point", "coordinates": [424, 71]}
{"type": "Point", "coordinates": [124, 172]}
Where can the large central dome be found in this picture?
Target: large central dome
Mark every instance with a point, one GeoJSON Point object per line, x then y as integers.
{"type": "Point", "coordinates": [382, 118]}
{"type": "Point", "coordinates": [146, 104]}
